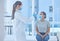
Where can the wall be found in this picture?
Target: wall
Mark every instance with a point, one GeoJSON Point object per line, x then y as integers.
{"type": "Point", "coordinates": [1, 20]}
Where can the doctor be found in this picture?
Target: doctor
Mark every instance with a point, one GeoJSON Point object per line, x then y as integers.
{"type": "Point", "coordinates": [19, 21]}
{"type": "Point", "coordinates": [42, 28]}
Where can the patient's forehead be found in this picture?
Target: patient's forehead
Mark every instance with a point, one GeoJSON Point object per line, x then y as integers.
{"type": "Point", "coordinates": [41, 13]}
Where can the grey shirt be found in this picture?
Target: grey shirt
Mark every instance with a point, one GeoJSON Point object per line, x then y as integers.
{"type": "Point", "coordinates": [43, 26]}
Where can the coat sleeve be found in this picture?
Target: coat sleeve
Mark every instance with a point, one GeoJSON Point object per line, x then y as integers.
{"type": "Point", "coordinates": [24, 19]}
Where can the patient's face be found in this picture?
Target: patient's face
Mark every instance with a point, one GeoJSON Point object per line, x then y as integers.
{"type": "Point", "coordinates": [42, 15]}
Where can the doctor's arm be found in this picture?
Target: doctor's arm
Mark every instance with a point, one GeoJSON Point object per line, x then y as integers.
{"type": "Point", "coordinates": [25, 19]}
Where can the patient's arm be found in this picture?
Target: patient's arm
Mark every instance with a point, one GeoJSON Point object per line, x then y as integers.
{"type": "Point", "coordinates": [38, 31]}
{"type": "Point", "coordinates": [47, 31]}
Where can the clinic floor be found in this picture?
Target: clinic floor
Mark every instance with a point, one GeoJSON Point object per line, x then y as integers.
{"type": "Point", "coordinates": [12, 38]}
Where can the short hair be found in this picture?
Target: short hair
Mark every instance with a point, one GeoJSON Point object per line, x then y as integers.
{"type": "Point", "coordinates": [44, 13]}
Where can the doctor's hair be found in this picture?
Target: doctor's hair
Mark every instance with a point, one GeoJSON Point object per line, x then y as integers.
{"type": "Point", "coordinates": [44, 13]}
{"type": "Point", "coordinates": [14, 7]}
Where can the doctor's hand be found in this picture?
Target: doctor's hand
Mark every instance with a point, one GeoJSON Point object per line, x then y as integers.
{"type": "Point", "coordinates": [30, 20]}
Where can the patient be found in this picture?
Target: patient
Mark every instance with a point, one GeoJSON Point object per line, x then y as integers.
{"type": "Point", "coordinates": [42, 28]}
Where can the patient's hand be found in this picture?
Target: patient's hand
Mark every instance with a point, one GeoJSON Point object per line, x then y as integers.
{"type": "Point", "coordinates": [43, 36]}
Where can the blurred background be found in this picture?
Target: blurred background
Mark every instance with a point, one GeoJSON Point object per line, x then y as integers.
{"type": "Point", "coordinates": [30, 8]}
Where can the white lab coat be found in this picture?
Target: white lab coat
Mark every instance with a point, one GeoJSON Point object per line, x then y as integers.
{"type": "Point", "coordinates": [19, 26]}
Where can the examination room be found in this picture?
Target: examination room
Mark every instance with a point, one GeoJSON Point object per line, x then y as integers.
{"type": "Point", "coordinates": [29, 20]}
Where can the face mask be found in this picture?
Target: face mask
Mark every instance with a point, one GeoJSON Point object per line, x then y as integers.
{"type": "Point", "coordinates": [20, 8]}
{"type": "Point", "coordinates": [40, 16]}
